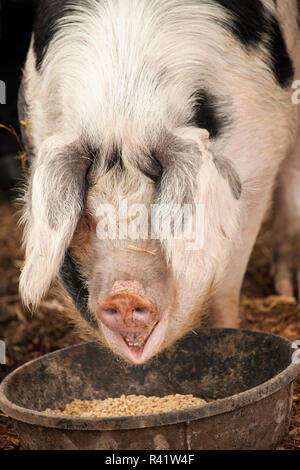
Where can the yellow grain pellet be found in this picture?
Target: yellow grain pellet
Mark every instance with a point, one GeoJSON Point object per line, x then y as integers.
{"type": "Point", "coordinates": [131, 405]}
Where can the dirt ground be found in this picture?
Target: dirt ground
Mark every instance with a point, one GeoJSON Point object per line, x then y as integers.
{"type": "Point", "coordinates": [28, 337]}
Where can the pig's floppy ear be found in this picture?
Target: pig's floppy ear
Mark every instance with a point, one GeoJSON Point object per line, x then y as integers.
{"type": "Point", "coordinates": [55, 199]}
{"type": "Point", "coordinates": [224, 167]}
{"type": "Point", "coordinates": [187, 163]}
{"type": "Point", "coordinates": [214, 184]}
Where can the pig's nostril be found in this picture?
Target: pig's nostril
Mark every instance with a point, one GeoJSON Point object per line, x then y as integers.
{"type": "Point", "coordinates": [111, 311]}
{"type": "Point", "coordinates": [139, 310]}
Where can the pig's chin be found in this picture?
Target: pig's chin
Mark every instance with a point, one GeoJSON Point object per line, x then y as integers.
{"type": "Point", "coordinates": [148, 347]}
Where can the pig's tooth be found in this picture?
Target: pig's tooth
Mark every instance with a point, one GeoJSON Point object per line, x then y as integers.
{"type": "Point", "coordinates": [135, 344]}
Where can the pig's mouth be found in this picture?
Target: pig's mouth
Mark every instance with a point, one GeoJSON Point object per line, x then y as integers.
{"type": "Point", "coordinates": [142, 348]}
{"type": "Point", "coordinates": [136, 348]}
{"type": "Point", "coordinates": [139, 343]}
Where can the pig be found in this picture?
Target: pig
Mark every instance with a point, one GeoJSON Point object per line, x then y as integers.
{"type": "Point", "coordinates": [180, 103]}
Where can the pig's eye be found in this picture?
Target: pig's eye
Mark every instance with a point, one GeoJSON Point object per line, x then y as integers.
{"type": "Point", "coordinates": [140, 310]}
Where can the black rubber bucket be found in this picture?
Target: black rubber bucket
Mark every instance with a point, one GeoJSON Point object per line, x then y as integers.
{"type": "Point", "coordinates": [248, 374]}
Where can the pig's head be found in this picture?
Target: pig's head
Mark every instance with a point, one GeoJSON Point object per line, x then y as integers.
{"type": "Point", "coordinates": [138, 288]}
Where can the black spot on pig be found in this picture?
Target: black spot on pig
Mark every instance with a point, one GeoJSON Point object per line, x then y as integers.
{"type": "Point", "coordinates": [75, 285]}
{"type": "Point", "coordinates": [207, 114]}
{"type": "Point", "coordinates": [281, 63]}
{"type": "Point", "coordinates": [48, 13]}
{"type": "Point", "coordinates": [254, 26]}
{"type": "Point", "coordinates": [248, 20]}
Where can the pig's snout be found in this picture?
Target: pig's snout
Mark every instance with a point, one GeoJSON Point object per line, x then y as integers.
{"type": "Point", "coordinates": [128, 314]}
{"type": "Point", "coordinates": [131, 321]}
